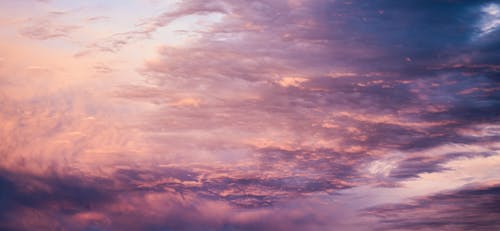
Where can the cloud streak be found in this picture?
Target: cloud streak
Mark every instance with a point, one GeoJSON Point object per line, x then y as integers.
{"type": "Point", "coordinates": [472, 207]}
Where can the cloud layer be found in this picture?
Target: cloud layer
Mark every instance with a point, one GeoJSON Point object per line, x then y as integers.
{"type": "Point", "coordinates": [475, 207]}
{"type": "Point", "coordinates": [261, 115]}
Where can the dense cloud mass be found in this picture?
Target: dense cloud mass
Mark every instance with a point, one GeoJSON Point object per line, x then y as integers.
{"type": "Point", "coordinates": [473, 208]}
{"type": "Point", "coordinates": [250, 115]}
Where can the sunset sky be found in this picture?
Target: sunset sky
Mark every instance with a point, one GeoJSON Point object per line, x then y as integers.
{"type": "Point", "coordinates": [236, 115]}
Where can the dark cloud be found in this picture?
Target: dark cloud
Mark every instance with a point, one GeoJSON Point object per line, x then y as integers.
{"type": "Point", "coordinates": [257, 191]}
{"type": "Point", "coordinates": [25, 195]}
{"type": "Point", "coordinates": [317, 90]}
{"type": "Point", "coordinates": [395, 51]}
{"type": "Point", "coordinates": [471, 208]}
{"type": "Point", "coordinates": [413, 166]}
{"type": "Point", "coordinates": [86, 203]}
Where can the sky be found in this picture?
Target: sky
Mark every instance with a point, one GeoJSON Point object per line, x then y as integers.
{"type": "Point", "coordinates": [233, 115]}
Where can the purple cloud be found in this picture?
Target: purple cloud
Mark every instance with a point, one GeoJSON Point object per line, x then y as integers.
{"type": "Point", "coordinates": [268, 120]}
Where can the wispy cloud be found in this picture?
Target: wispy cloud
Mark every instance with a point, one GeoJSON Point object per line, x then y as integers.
{"type": "Point", "coordinates": [48, 27]}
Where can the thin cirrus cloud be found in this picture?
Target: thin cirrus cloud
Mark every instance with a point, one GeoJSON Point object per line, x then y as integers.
{"type": "Point", "coordinates": [277, 115]}
{"type": "Point", "coordinates": [47, 27]}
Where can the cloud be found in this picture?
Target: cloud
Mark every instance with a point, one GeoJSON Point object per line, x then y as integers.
{"type": "Point", "coordinates": [81, 203]}
{"type": "Point", "coordinates": [261, 123]}
{"type": "Point", "coordinates": [24, 195]}
{"type": "Point", "coordinates": [413, 166]}
{"type": "Point", "coordinates": [44, 31]}
{"type": "Point", "coordinates": [473, 207]}
{"type": "Point", "coordinates": [145, 30]}
{"type": "Point", "coordinates": [48, 26]}
{"type": "Point", "coordinates": [273, 76]}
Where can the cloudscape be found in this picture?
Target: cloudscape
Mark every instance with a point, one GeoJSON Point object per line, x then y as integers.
{"type": "Point", "coordinates": [265, 115]}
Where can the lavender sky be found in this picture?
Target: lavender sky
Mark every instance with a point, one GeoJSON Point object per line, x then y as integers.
{"type": "Point", "coordinates": [235, 115]}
